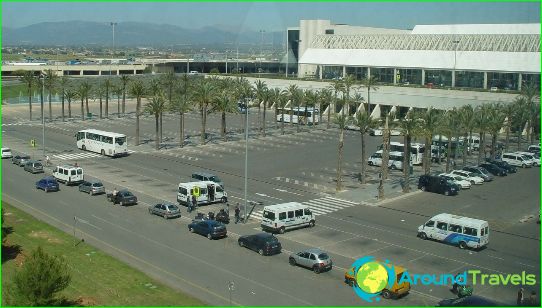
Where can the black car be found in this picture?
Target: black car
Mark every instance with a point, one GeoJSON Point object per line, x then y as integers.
{"type": "Point", "coordinates": [502, 164]}
{"type": "Point", "coordinates": [122, 197]}
{"type": "Point", "coordinates": [264, 243]}
{"type": "Point", "coordinates": [210, 228]}
{"type": "Point", "coordinates": [494, 169]}
{"type": "Point", "coordinates": [437, 184]}
{"type": "Point", "coordinates": [470, 301]}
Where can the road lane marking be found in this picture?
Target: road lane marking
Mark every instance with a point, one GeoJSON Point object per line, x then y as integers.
{"type": "Point", "coordinates": [289, 192]}
{"type": "Point", "coordinates": [87, 223]}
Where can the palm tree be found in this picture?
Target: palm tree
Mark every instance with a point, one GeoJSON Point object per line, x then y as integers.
{"type": "Point", "coordinates": [124, 80]}
{"type": "Point", "coordinates": [50, 83]}
{"type": "Point", "coordinates": [107, 88]}
{"type": "Point", "coordinates": [369, 82]}
{"type": "Point", "coordinates": [156, 106]}
{"type": "Point", "coordinates": [83, 92]}
{"type": "Point", "coordinates": [495, 123]}
{"type": "Point", "coordinates": [325, 97]}
{"type": "Point", "coordinates": [409, 128]}
{"type": "Point", "coordinates": [349, 81]}
{"type": "Point", "coordinates": [99, 92]}
{"type": "Point", "coordinates": [337, 87]}
{"type": "Point", "coordinates": [311, 98]}
{"type": "Point", "coordinates": [481, 118]}
{"type": "Point", "coordinates": [509, 110]}
{"type": "Point", "coordinates": [267, 97]}
{"type": "Point", "coordinates": [520, 117]}
{"type": "Point", "coordinates": [384, 168]}
{"type": "Point", "coordinates": [292, 92]}
{"type": "Point", "coordinates": [117, 91]}
{"type": "Point", "coordinates": [430, 121]}
{"type": "Point", "coordinates": [365, 123]}
{"type": "Point", "coordinates": [138, 91]}
{"type": "Point", "coordinates": [224, 103]}
{"type": "Point", "coordinates": [452, 126]}
{"type": "Point", "coordinates": [69, 95]}
{"type": "Point", "coordinates": [282, 101]}
{"type": "Point", "coordinates": [27, 77]}
{"type": "Point", "coordinates": [63, 84]}
{"type": "Point", "coordinates": [341, 120]}
{"type": "Point", "coordinates": [530, 92]}
{"type": "Point", "coordinates": [244, 93]}
{"type": "Point", "coordinates": [168, 80]}
{"type": "Point", "coordinates": [466, 115]}
{"type": "Point", "coordinates": [204, 93]}
{"type": "Point", "coordinates": [276, 93]}
{"type": "Point", "coordinates": [260, 89]}
{"type": "Point", "coordinates": [154, 88]}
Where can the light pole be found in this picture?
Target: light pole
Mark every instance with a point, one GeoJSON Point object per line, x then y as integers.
{"type": "Point", "coordinates": [455, 59]}
{"type": "Point", "coordinates": [261, 52]}
{"type": "Point", "coordinates": [42, 76]}
{"type": "Point", "coordinates": [246, 163]}
{"type": "Point", "coordinates": [113, 24]}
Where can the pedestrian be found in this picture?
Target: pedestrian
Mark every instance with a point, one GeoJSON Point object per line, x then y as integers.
{"type": "Point", "coordinates": [532, 299]}
{"type": "Point", "coordinates": [520, 297]}
{"type": "Point", "coordinates": [228, 209]}
{"type": "Point", "coordinates": [237, 213]}
{"type": "Point", "coordinates": [47, 160]}
{"type": "Point", "coordinates": [194, 202]}
{"type": "Point", "coordinates": [456, 283]}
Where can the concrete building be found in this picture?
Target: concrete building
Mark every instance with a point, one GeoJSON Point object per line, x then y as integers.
{"type": "Point", "coordinates": [479, 56]}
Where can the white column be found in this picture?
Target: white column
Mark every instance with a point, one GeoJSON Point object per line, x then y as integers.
{"type": "Point", "coordinates": [485, 80]}
{"type": "Point", "coordinates": [453, 79]}
{"type": "Point", "coordinates": [423, 77]}
{"type": "Point", "coordinates": [520, 80]}
{"type": "Point", "coordinates": [394, 76]}
{"type": "Point", "coordinates": [321, 68]}
{"type": "Point", "coordinates": [368, 72]}
{"type": "Point", "coordinates": [344, 71]}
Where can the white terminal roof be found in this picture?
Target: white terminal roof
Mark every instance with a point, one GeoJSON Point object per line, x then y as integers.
{"type": "Point", "coordinates": [478, 29]}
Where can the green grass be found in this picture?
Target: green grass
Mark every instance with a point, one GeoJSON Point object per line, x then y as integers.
{"type": "Point", "coordinates": [15, 90]}
{"type": "Point", "coordinates": [97, 278]}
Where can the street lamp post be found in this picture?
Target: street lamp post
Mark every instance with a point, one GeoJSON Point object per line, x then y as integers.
{"type": "Point", "coordinates": [246, 163]}
{"type": "Point", "coordinates": [261, 52]}
{"type": "Point", "coordinates": [113, 24]}
{"type": "Point", "coordinates": [42, 76]}
{"type": "Point", "coordinates": [455, 59]}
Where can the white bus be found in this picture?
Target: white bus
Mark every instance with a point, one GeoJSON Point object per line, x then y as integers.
{"type": "Point", "coordinates": [105, 143]}
{"type": "Point", "coordinates": [280, 217]}
{"type": "Point", "coordinates": [457, 230]}
{"type": "Point", "coordinates": [416, 151]}
{"type": "Point", "coordinates": [298, 115]}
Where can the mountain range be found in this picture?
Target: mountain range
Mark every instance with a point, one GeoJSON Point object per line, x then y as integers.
{"type": "Point", "coordinates": [77, 33]}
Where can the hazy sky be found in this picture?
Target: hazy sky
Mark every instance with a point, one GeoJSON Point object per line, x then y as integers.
{"type": "Point", "coordinates": [272, 16]}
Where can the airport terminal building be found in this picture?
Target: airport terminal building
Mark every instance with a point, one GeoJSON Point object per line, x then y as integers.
{"type": "Point", "coordinates": [479, 56]}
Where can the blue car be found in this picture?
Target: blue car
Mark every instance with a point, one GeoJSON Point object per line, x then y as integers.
{"type": "Point", "coordinates": [48, 184]}
{"type": "Point", "coordinates": [210, 228]}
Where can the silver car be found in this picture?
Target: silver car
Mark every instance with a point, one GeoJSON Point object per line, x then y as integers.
{"type": "Point", "coordinates": [314, 258]}
{"type": "Point", "coordinates": [166, 210]}
{"type": "Point", "coordinates": [20, 160]}
{"type": "Point", "coordinates": [92, 187]}
{"type": "Point", "coordinates": [33, 166]}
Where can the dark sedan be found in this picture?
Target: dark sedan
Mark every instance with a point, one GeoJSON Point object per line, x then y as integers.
{"type": "Point", "coordinates": [504, 165]}
{"type": "Point", "coordinates": [123, 198]}
{"type": "Point", "coordinates": [48, 184]}
{"type": "Point", "coordinates": [493, 169]}
{"type": "Point", "coordinates": [264, 243]}
{"type": "Point", "coordinates": [470, 301]}
{"type": "Point", "coordinates": [166, 210]}
{"type": "Point", "coordinates": [210, 228]}
{"type": "Point", "coordinates": [20, 160]}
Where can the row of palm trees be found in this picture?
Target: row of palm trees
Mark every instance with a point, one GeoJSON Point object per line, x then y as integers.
{"type": "Point", "coordinates": [488, 119]}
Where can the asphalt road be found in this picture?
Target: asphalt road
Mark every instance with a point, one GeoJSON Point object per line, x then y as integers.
{"type": "Point", "coordinates": [293, 167]}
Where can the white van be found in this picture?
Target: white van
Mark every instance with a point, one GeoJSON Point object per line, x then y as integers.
{"type": "Point", "coordinates": [473, 142]}
{"type": "Point", "coordinates": [68, 174]}
{"type": "Point", "coordinates": [530, 157]}
{"type": "Point", "coordinates": [279, 217]}
{"type": "Point", "coordinates": [6, 153]}
{"type": "Point", "coordinates": [206, 192]}
{"type": "Point", "coordinates": [518, 160]}
{"type": "Point", "coordinates": [457, 230]}
{"type": "Point", "coordinates": [395, 161]}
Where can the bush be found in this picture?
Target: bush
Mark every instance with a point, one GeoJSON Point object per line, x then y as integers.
{"type": "Point", "coordinates": [39, 280]}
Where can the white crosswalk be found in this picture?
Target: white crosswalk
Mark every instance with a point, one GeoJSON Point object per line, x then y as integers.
{"type": "Point", "coordinates": [320, 206]}
{"type": "Point", "coordinates": [81, 155]}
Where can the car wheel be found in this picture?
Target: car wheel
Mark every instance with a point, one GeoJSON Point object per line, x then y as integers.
{"type": "Point", "coordinates": [316, 269]}
{"type": "Point", "coordinates": [165, 216]}
{"type": "Point", "coordinates": [150, 211]}
{"type": "Point", "coordinates": [370, 163]}
{"type": "Point", "coordinates": [422, 188]}
{"type": "Point", "coordinates": [223, 200]}
{"type": "Point", "coordinates": [386, 294]}
{"type": "Point", "coordinates": [209, 236]}
{"type": "Point", "coordinates": [393, 167]}
{"type": "Point", "coordinates": [423, 236]}
{"type": "Point", "coordinates": [462, 245]}
{"type": "Point", "coordinates": [472, 182]}
{"type": "Point", "coordinates": [121, 203]}
{"type": "Point", "coordinates": [46, 190]}
{"type": "Point", "coordinates": [84, 148]}
{"type": "Point", "coordinates": [281, 230]}
{"type": "Point", "coordinates": [311, 223]}
{"type": "Point", "coordinates": [446, 193]}
{"type": "Point", "coordinates": [260, 251]}
{"type": "Point", "coordinates": [241, 244]}
{"type": "Point", "coordinates": [90, 193]}
{"type": "Point", "coordinates": [191, 229]}
{"type": "Point", "coordinates": [292, 261]}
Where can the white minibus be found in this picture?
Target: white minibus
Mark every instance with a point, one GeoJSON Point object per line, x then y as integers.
{"type": "Point", "coordinates": [280, 217]}
{"type": "Point", "coordinates": [457, 230]}
{"type": "Point", "coordinates": [206, 192]}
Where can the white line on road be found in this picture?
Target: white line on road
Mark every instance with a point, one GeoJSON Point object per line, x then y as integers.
{"type": "Point", "coordinates": [526, 264]}
{"type": "Point", "coordinates": [264, 195]}
{"type": "Point", "coordinates": [284, 190]}
{"type": "Point", "coordinates": [87, 223]}
{"type": "Point", "coordinates": [494, 257]}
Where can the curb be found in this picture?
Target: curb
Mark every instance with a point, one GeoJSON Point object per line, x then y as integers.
{"type": "Point", "coordinates": [402, 196]}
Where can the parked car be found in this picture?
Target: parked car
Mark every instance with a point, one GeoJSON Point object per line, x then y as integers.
{"type": "Point", "coordinates": [166, 210]}
{"type": "Point", "coordinates": [494, 169]}
{"type": "Point", "coordinates": [457, 179]}
{"type": "Point", "coordinates": [473, 178]}
{"type": "Point", "coordinates": [534, 148]}
{"type": "Point", "coordinates": [33, 166]}
{"type": "Point", "coordinates": [48, 184]}
{"type": "Point", "coordinates": [380, 132]}
{"type": "Point", "coordinates": [210, 228]}
{"type": "Point", "coordinates": [531, 157]}
{"type": "Point", "coordinates": [470, 301]}
{"type": "Point", "coordinates": [20, 160]}
{"type": "Point", "coordinates": [92, 187]}
{"type": "Point", "coordinates": [437, 184]}
{"type": "Point", "coordinates": [123, 197]}
{"type": "Point", "coordinates": [481, 172]}
{"type": "Point", "coordinates": [6, 153]}
{"type": "Point", "coordinates": [205, 176]}
{"type": "Point", "coordinates": [314, 258]}
{"type": "Point", "coordinates": [502, 164]}
{"type": "Point", "coordinates": [263, 243]}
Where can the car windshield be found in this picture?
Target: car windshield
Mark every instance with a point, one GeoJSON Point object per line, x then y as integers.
{"type": "Point", "coordinates": [323, 256]}
{"type": "Point", "coordinates": [97, 184]}
{"type": "Point", "coordinates": [172, 207]}
{"type": "Point", "coordinates": [214, 178]}
{"type": "Point", "coordinates": [25, 157]}
{"type": "Point", "coordinates": [120, 140]}
{"type": "Point", "coordinates": [269, 215]}
{"type": "Point", "coordinates": [271, 240]}
{"type": "Point", "coordinates": [37, 165]}
{"type": "Point", "coordinates": [126, 193]}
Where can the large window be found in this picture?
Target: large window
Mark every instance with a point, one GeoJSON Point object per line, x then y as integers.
{"type": "Point", "coordinates": [331, 72]}
{"type": "Point", "coordinates": [439, 78]}
{"type": "Point", "coordinates": [464, 79]}
{"type": "Point", "coordinates": [502, 81]}
{"type": "Point", "coordinates": [358, 72]}
{"type": "Point", "coordinates": [409, 76]}
{"type": "Point", "coordinates": [382, 75]}
{"type": "Point", "coordinates": [531, 79]}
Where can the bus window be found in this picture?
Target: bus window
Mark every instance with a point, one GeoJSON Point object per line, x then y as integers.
{"type": "Point", "coordinates": [455, 228]}
{"type": "Point", "coordinates": [442, 226]}
{"type": "Point", "coordinates": [430, 223]}
{"type": "Point", "coordinates": [470, 231]}
{"type": "Point", "coordinates": [282, 216]}
{"type": "Point", "coordinates": [120, 140]}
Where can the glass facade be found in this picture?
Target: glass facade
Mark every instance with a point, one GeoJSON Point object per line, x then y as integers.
{"type": "Point", "coordinates": [503, 81]}
{"type": "Point", "coordinates": [409, 76]}
{"type": "Point", "coordinates": [330, 72]}
{"type": "Point", "coordinates": [528, 79]}
{"type": "Point", "coordinates": [382, 75]}
{"type": "Point", "coordinates": [356, 71]}
{"type": "Point", "coordinates": [439, 78]}
{"type": "Point", "coordinates": [465, 79]}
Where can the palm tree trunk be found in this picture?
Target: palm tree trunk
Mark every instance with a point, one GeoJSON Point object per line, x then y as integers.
{"type": "Point", "coordinates": [224, 126]}
{"type": "Point", "coordinates": [507, 142]}
{"type": "Point", "coordinates": [298, 120]}
{"type": "Point", "coordinates": [313, 119]}
{"type": "Point", "coordinates": [319, 112]}
{"type": "Point", "coordinates": [465, 148]}
{"type": "Point", "coordinates": [86, 102]}
{"type": "Point", "coordinates": [123, 99]}
{"type": "Point", "coordinates": [69, 108]}
{"type": "Point", "coordinates": [427, 158]}
{"type": "Point", "coordinates": [203, 124]}
{"type": "Point", "coordinates": [328, 116]}
{"type": "Point", "coordinates": [137, 120]}
{"type": "Point", "coordinates": [449, 152]}
{"type": "Point", "coordinates": [363, 158]}
{"type": "Point", "coordinates": [107, 103]}
{"type": "Point", "coordinates": [494, 145]}
{"type": "Point", "coordinates": [156, 139]}
{"type": "Point", "coordinates": [385, 154]}
{"type": "Point", "coordinates": [50, 109]}
{"type": "Point", "coordinates": [181, 129]}
{"type": "Point", "coordinates": [30, 101]}
{"type": "Point", "coordinates": [101, 116]}
{"type": "Point", "coordinates": [406, 164]}
{"type": "Point", "coordinates": [292, 117]}
{"type": "Point", "coordinates": [41, 105]}
{"type": "Point", "coordinates": [339, 162]}
{"type": "Point", "coordinates": [519, 138]}
{"type": "Point", "coordinates": [118, 106]}
{"type": "Point", "coordinates": [482, 149]}
{"type": "Point", "coordinates": [161, 125]}
{"type": "Point", "coordinates": [276, 116]}
{"type": "Point", "coordinates": [82, 109]}
{"type": "Point", "coordinates": [260, 116]}
{"type": "Point", "coordinates": [264, 111]}
{"type": "Point", "coordinates": [282, 123]}
{"type": "Point", "coordinates": [63, 113]}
